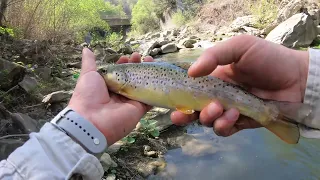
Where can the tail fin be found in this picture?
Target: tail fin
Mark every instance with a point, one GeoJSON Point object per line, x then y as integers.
{"type": "Point", "coordinates": [286, 125]}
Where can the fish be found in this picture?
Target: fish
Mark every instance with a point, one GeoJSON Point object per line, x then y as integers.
{"type": "Point", "coordinates": [167, 85]}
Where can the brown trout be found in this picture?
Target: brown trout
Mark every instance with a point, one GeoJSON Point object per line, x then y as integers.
{"type": "Point", "coordinates": [167, 85]}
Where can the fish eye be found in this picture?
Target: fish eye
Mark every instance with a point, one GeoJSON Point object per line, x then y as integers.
{"type": "Point", "coordinates": [102, 70]}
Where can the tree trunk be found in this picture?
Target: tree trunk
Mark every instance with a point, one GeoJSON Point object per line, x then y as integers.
{"type": "Point", "coordinates": [3, 7]}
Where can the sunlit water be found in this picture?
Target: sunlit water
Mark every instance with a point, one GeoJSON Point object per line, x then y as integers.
{"type": "Point", "coordinates": [250, 154]}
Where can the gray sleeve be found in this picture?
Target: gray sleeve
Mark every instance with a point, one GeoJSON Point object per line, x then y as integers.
{"type": "Point", "coordinates": [312, 96]}
{"type": "Point", "coordinates": [50, 153]}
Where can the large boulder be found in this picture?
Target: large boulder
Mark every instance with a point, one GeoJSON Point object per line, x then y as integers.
{"type": "Point", "coordinates": [10, 74]}
{"type": "Point", "coordinates": [297, 31]}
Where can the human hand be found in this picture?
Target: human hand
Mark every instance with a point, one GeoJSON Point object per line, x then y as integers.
{"type": "Point", "coordinates": [266, 69]}
{"type": "Point", "coordinates": [114, 115]}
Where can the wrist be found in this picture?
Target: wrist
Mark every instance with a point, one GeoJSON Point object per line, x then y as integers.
{"type": "Point", "coordinates": [82, 131]}
{"type": "Point", "coordinates": [90, 115]}
{"type": "Point", "coordinates": [302, 58]}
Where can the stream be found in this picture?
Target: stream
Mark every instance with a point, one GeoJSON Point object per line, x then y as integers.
{"type": "Point", "coordinates": [249, 154]}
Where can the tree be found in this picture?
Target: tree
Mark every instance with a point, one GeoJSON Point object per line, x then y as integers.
{"type": "Point", "coordinates": [3, 7]}
{"type": "Point", "coordinates": [144, 18]}
{"type": "Point", "coordinates": [58, 20]}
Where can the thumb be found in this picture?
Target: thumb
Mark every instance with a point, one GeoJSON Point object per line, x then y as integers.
{"type": "Point", "coordinates": [88, 61]}
{"type": "Point", "coordinates": [223, 53]}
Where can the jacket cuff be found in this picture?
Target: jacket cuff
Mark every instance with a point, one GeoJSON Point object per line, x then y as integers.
{"type": "Point", "coordinates": [51, 153]}
{"type": "Point", "coordinates": [312, 96]}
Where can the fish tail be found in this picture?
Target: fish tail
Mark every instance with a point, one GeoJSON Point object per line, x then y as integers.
{"type": "Point", "coordinates": [286, 125]}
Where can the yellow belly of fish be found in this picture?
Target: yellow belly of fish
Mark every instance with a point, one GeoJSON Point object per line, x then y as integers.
{"type": "Point", "coordinates": [185, 102]}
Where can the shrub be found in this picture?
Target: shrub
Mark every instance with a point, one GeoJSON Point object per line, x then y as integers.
{"type": "Point", "coordinates": [179, 18]}
{"type": "Point", "coordinates": [265, 11]}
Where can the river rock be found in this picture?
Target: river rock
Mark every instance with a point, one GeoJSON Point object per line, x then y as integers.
{"type": "Point", "coordinates": [134, 43]}
{"type": "Point", "coordinates": [297, 31]}
{"type": "Point", "coordinates": [25, 122]}
{"type": "Point", "coordinates": [151, 154]}
{"type": "Point", "coordinates": [166, 33]}
{"type": "Point", "coordinates": [58, 96]}
{"type": "Point", "coordinates": [163, 41]}
{"type": "Point", "coordinates": [29, 84]}
{"type": "Point", "coordinates": [155, 51]}
{"type": "Point", "coordinates": [10, 74]}
{"type": "Point", "coordinates": [127, 49]}
{"type": "Point", "coordinates": [107, 162]}
{"type": "Point", "coordinates": [111, 177]}
{"type": "Point", "coordinates": [156, 35]}
{"type": "Point", "coordinates": [150, 46]}
{"type": "Point", "coordinates": [194, 37]}
{"type": "Point", "coordinates": [44, 73]}
{"type": "Point", "coordinates": [169, 48]}
{"type": "Point", "coordinates": [238, 23]}
{"type": "Point", "coordinates": [106, 54]}
{"type": "Point", "coordinates": [251, 31]}
{"type": "Point", "coordinates": [187, 43]}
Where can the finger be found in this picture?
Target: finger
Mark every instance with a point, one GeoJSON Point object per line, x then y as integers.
{"type": "Point", "coordinates": [88, 61]}
{"type": "Point", "coordinates": [180, 119]}
{"type": "Point", "coordinates": [225, 124]}
{"type": "Point", "coordinates": [246, 123]}
{"type": "Point", "coordinates": [210, 113]}
{"type": "Point", "coordinates": [223, 53]}
{"type": "Point", "coordinates": [123, 59]}
{"type": "Point", "coordinates": [148, 59]}
{"type": "Point", "coordinates": [135, 58]}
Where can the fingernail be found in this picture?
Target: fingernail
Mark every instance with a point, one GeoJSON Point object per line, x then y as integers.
{"type": "Point", "coordinates": [232, 115]}
{"type": "Point", "coordinates": [214, 110]}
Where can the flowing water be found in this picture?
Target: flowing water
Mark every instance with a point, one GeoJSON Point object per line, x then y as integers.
{"type": "Point", "coordinates": [250, 154]}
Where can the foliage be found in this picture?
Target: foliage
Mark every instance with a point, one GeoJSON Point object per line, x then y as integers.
{"type": "Point", "coordinates": [58, 20]}
{"type": "Point", "coordinates": [144, 18]}
{"type": "Point", "coordinates": [315, 44]}
{"type": "Point", "coordinates": [179, 18]}
{"type": "Point", "coordinates": [7, 31]}
{"type": "Point", "coordinates": [129, 139]}
{"type": "Point", "coordinates": [149, 128]}
{"type": "Point", "coordinates": [265, 11]}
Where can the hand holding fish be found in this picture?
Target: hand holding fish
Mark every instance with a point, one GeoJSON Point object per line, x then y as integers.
{"type": "Point", "coordinates": [114, 115]}
{"type": "Point", "coordinates": [265, 69]}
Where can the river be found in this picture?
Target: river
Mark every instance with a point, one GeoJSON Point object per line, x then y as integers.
{"type": "Point", "coordinates": [250, 154]}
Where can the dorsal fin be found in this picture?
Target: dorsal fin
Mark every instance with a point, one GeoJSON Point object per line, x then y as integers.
{"type": "Point", "coordinates": [183, 65]}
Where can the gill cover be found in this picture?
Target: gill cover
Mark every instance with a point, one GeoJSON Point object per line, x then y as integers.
{"type": "Point", "coordinates": [114, 76]}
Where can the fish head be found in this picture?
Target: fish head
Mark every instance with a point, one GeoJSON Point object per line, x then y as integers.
{"type": "Point", "coordinates": [114, 75]}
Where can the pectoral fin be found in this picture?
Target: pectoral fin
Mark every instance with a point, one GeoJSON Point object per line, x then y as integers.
{"type": "Point", "coordinates": [185, 110]}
